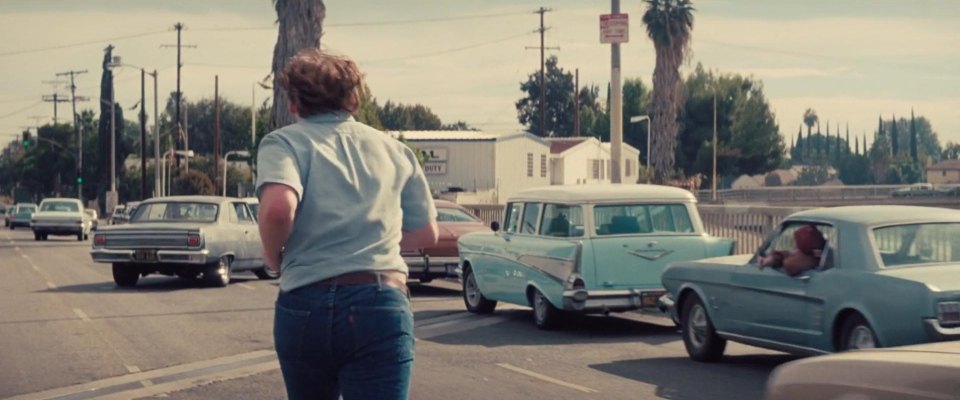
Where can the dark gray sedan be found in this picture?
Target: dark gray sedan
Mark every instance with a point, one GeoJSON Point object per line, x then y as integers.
{"type": "Point", "coordinates": [191, 237]}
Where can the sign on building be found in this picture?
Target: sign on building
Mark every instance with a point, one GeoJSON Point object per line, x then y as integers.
{"type": "Point", "coordinates": [435, 168]}
{"type": "Point", "coordinates": [614, 28]}
{"type": "Point", "coordinates": [436, 160]}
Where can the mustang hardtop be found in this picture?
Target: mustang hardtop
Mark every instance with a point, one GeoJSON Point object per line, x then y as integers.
{"type": "Point", "coordinates": [583, 249]}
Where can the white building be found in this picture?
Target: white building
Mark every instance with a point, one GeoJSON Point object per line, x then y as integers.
{"type": "Point", "coordinates": [486, 167]}
{"type": "Point", "coordinates": [579, 160]}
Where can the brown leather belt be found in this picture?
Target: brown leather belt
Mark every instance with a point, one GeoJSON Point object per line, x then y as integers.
{"type": "Point", "coordinates": [394, 279]}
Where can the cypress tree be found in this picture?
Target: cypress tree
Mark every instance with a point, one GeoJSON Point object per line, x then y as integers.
{"type": "Point", "coordinates": [826, 141]}
{"type": "Point", "coordinates": [913, 138]}
{"type": "Point", "coordinates": [894, 140]}
{"type": "Point", "coordinates": [879, 131]}
{"type": "Point", "coordinates": [800, 146]}
{"type": "Point", "coordinates": [838, 138]}
{"type": "Point", "coordinates": [858, 146]}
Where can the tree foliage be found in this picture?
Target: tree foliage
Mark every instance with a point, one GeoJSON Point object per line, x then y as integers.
{"type": "Point", "coordinates": [558, 101]}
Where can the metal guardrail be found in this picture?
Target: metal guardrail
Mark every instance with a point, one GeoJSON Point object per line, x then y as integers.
{"type": "Point", "coordinates": [790, 194]}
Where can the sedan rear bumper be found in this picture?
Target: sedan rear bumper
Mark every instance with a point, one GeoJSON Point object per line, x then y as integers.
{"type": "Point", "coordinates": [588, 301]}
{"type": "Point", "coordinates": [426, 267]}
{"type": "Point", "coordinates": [163, 256]}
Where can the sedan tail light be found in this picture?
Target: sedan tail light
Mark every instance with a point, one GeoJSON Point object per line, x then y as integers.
{"type": "Point", "coordinates": [99, 240]}
{"type": "Point", "coordinates": [193, 240]}
{"type": "Point", "coordinates": [948, 313]}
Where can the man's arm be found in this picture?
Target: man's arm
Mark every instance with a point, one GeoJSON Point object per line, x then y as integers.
{"type": "Point", "coordinates": [419, 238]}
{"type": "Point", "coordinates": [278, 206]}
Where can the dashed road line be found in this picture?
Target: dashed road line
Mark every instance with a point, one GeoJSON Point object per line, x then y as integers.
{"type": "Point", "coordinates": [51, 285]}
{"type": "Point", "coordinates": [545, 378]}
{"type": "Point", "coordinates": [246, 286]}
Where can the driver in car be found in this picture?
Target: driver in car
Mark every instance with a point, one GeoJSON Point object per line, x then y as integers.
{"type": "Point", "coordinates": [809, 242]}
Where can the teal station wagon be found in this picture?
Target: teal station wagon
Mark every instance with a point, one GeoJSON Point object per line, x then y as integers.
{"type": "Point", "coordinates": [583, 249]}
{"type": "Point", "coordinates": [887, 276]}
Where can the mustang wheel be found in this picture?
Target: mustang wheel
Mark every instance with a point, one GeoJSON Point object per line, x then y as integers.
{"type": "Point", "coordinates": [545, 315]}
{"type": "Point", "coordinates": [857, 334]}
{"type": "Point", "coordinates": [472, 298]}
{"type": "Point", "coordinates": [125, 275]}
{"type": "Point", "coordinates": [266, 273]}
{"type": "Point", "coordinates": [36, 236]}
{"type": "Point", "coordinates": [80, 237]}
{"type": "Point", "coordinates": [699, 337]}
{"type": "Point", "coordinates": [218, 274]}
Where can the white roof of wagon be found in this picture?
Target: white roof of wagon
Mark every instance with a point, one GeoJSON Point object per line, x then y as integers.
{"type": "Point", "coordinates": [604, 193]}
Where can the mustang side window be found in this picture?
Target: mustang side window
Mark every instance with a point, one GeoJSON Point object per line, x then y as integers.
{"type": "Point", "coordinates": [512, 218]}
{"type": "Point", "coordinates": [529, 222]}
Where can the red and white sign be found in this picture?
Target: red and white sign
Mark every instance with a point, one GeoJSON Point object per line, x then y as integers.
{"type": "Point", "coordinates": [614, 28]}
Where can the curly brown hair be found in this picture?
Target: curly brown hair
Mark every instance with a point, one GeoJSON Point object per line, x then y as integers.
{"type": "Point", "coordinates": [318, 82]}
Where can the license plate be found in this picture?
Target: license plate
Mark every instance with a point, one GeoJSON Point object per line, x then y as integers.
{"type": "Point", "coordinates": [650, 298]}
{"type": "Point", "coordinates": [145, 255]}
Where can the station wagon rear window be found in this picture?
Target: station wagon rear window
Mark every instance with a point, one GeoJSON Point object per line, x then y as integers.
{"type": "Point", "coordinates": [562, 221]}
{"type": "Point", "coordinates": [625, 219]}
{"type": "Point", "coordinates": [176, 212]}
{"type": "Point", "coordinates": [918, 244]}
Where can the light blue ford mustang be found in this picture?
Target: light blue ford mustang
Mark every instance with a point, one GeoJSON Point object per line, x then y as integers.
{"type": "Point", "coordinates": [583, 249]}
{"type": "Point", "coordinates": [888, 276]}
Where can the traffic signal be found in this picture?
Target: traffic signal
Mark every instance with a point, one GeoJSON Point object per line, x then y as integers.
{"type": "Point", "coordinates": [26, 139]}
{"type": "Point", "coordinates": [79, 180]}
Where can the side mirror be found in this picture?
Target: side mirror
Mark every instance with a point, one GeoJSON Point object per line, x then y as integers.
{"type": "Point", "coordinates": [495, 226]}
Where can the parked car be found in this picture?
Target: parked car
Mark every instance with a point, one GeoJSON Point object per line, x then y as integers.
{"type": "Point", "coordinates": [5, 211]}
{"type": "Point", "coordinates": [187, 236]}
{"type": "Point", "coordinates": [442, 259]}
{"type": "Point", "coordinates": [21, 214]}
{"type": "Point", "coordinates": [118, 216]}
{"type": "Point", "coordinates": [253, 204]}
{"type": "Point", "coordinates": [583, 249]}
{"type": "Point", "coordinates": [926, 371]}
{"type": "Point", "coordinates": [888, 276]}
{"type": "Point", "coordinates": [93, 217]}
{"type": "Point", "coordinates": [60, 216]}
{"type": "Point", "coordinates": [915, 190]}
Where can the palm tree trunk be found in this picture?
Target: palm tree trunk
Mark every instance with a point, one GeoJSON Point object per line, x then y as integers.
{"type": "Point", "coordinates": [667, 97]}
{"type": "Point", "coordinates": [301, 26]}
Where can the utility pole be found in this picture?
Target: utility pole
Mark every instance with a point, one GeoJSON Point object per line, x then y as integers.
{"type": "Point", "coordinates": [543, 81]}
{"type": "Point", "coordinates": [156, 140]}
{"type": "Point", "coordinates": [713, 180]}
{"type": "Point", "coordinates": [616, 109]}
{"type": "Point", "coordinates": [216, 132]}
{"type": "Point", "coordinates": [76, 127]}
{"type": "Point", "coordinates": [54, 97]}
{"type": "Point", "coordinates": [179, 96]}
{"type": "Point", "coordinates": [143, 135]}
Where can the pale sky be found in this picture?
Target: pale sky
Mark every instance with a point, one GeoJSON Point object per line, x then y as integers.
{"type": "Point", "coordinates": [850, 60]}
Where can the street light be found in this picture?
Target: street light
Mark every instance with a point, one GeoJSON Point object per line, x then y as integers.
{"type": "Point", "coordinates": [226, 158]}
{"type": "Point", "coordinates": [641, 118]}
{"type": "Point", "coordinates": [166, 180]}
{"type": "Point", "coordinates": [117, 63]}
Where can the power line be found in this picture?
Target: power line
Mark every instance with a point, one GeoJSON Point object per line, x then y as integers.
{"type": "Point", "coordinates": [21, 110]}
{"type": "Point", "coordinates": [447, 51]}
{"type": "Point", "coordinates": [370, 23]}
{"type": "Point", "coordinates": [66, 46]}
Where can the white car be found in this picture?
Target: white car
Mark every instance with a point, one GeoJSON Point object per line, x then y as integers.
{"type": "Point", "coordinates": [253, 204]}
{"type": "Point", "coordinates": [60, 216]}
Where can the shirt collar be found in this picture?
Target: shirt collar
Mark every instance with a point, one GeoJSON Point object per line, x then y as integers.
{"type": "Point", "coordinates": [337, 116]}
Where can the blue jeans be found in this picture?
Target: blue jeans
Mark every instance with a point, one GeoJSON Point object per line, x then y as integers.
{"type": "Point", "coordinates": [355, 341]}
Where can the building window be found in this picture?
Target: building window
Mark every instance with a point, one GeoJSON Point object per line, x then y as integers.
{"type": "Point", "coordinates": [530, 164]}
{"type": "Point", "coordinates": [543, 166]}
{"type": "Point", "coordinates": [595, 169]}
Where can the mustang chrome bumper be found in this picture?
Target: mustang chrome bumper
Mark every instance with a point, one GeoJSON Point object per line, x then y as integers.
{"type": "Point", "coordinates": [610, 300]}
{"type": "Point", "coordinates": [940, 333]}
{"type": "Point", "coordinates": [163, 256]}
{"type": "Point", "coordinates": [432, 267]}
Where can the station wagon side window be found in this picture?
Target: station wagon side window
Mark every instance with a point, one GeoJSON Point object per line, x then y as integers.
{"type": "Point", "coordinates": [528, 224]}
{"type": "Point", "coordinates": [512, 219]}
{"type": "Point", "coordinates": [624, 219]}
{"type": "Point", "coordinates": [562, 221]}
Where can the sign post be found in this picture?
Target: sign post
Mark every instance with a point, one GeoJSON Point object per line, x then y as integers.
{"type": "Point", "coordinates": [615, 29]}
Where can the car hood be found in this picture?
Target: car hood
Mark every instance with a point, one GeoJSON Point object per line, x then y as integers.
{"type": "Point", "coordinates": [939, 278]}
{"type": "Point", "coordinates": [452, 231]}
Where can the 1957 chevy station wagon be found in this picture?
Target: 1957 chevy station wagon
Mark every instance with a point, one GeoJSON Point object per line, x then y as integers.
{"type": "Point", "coordinates": [583, 249]}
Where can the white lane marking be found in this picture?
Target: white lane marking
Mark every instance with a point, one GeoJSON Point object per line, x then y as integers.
{"type": "Point", "coordinates": [246, 286]}
{"type": "Point", "coordinates": [545, 378]}
{"type": "Point", "coordinates": [51, 286]}
{"type": "Point", "coordinates": [83, 316]}
{"type": "Point", "coordinates": [132, 368]}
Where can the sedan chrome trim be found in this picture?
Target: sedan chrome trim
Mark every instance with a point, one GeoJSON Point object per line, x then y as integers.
{"type": "Point", "coordinates": [771, 344]}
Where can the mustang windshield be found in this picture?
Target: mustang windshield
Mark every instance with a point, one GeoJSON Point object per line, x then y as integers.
{"type": "Point", "coordinates": [918, 244]}
{"type": "Point", "coordinates": [67, 206]}
{"type": "Point", "coordinates": [448, 214]}
{"type": "Point", "coordinates": [176, 212]}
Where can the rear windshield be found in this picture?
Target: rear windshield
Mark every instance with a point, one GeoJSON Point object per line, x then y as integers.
{"type": "Point", "coordinates": [176, 212]}
{"type": "Point", "coordinates": [450, 214]}
{"type": "Point", "coordinates": [624, 219]}
{"type": "Point", "coordinates": [918, 244]}
{"type": "Point", "coordinates": [68, 206]}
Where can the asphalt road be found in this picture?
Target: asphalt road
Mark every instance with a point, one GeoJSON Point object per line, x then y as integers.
{"type": "Point", "coordinates": [67, 333]}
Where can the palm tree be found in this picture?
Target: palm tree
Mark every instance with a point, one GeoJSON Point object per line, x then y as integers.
{"type": "Point", "coordinates": [810, 119]}
{"type": "Point", "coordinates": [301, 26]}
{"type": "Point", "coordinates": [669, 24]}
